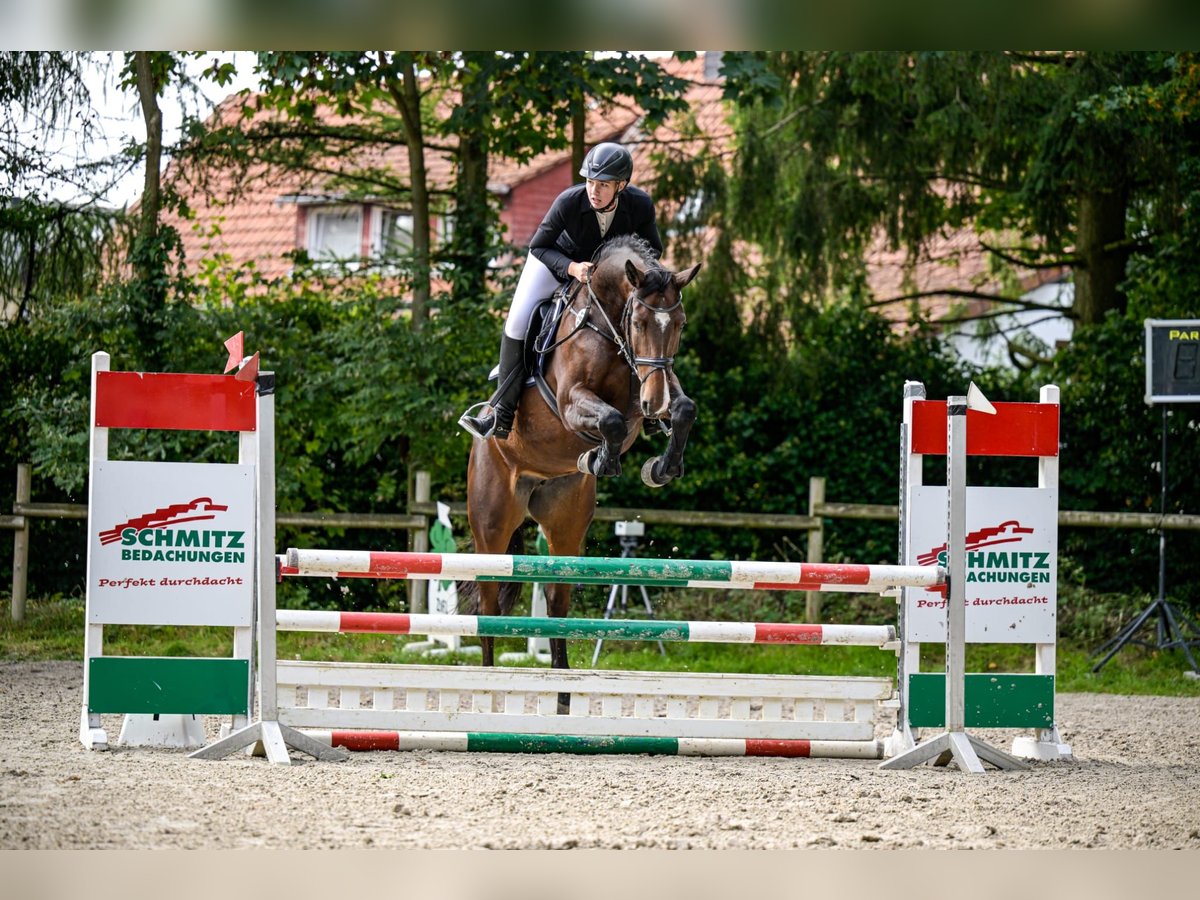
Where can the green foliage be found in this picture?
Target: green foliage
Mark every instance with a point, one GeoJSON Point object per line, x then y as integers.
{"type": "Point", "coordinates": [361, 398]}
{"type": "Point", "coordinates": [465, 107]}
{"type": "Point", "coordinates": [1050, 157]}
{"type": "Point", "coordinates": [51, 250]}
{"type": "Point", "coordinates": [768, 422]}
{"type": "Point", "coordinates": [786, 388]}
{"type": "Point", "coordinates": [42, 93]}
{"type": "Point", "coordinates": [1112, 448]}
{"type": "Point", "coordinates": [1113, 441]}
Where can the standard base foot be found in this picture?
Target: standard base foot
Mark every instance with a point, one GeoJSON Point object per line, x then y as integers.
{"type": "Point", "coordinates": [1042, 751]}
{"type": "Point", "coordinates": [970, 754]}
{"type": "Point", "coordinates": [275, 739]}
{"type": "Point", "coordinates": [91, 735]}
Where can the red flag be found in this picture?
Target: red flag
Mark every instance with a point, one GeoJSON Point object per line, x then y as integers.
{"type": "Point", "coordinates": [249, 371]}
{"type": "Point", "coordinates": [235, 346]}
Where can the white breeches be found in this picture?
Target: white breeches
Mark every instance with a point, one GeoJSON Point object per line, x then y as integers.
{"type": "Point", "coordinates": [535, 285]}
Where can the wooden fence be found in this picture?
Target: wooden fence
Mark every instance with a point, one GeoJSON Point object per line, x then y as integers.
{"type": "Point", "coordinates": [422, 509]}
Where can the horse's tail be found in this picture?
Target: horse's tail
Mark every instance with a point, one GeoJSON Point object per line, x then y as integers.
{"type": "Point", "coordinates": [510, 591]}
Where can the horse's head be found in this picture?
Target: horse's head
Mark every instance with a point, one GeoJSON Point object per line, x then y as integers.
{"type": "Point", "coordinates": [654, 320]}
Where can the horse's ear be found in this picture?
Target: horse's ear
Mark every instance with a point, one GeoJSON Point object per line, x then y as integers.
{"type": "Point", "coordinates": [684, 278]}
{"type": "Point", "coordinates": [632, 273]}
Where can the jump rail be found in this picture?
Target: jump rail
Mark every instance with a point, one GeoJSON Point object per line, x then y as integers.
{"type": "Point", "coordinates": [483, 742]}
{"type": "Point", "coordinates": [882, 636]}
{"type": "Point", "coordinates": [773, 576]}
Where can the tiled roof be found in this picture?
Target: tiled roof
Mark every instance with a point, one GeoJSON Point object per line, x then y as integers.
{"type": "Point", "coordinates": [247, 226]}
{"type": "Point", "coordinates": [258, 223]}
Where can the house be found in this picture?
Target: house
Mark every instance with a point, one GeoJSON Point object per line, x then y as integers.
{"type": "Point", "coordinates": [263, 218]}
{"type": "Point", "coordinates": [283, 212]}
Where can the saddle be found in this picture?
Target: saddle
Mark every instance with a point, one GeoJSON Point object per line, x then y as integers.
{"type": "Point", "coordinates": [539, 341]}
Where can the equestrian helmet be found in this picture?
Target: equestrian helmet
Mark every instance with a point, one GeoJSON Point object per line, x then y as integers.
{"type": "Point", "coordinates": [607, 162]}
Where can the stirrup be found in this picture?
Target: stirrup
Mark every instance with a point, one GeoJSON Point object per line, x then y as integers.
{"type": "Point", "coordinates": [491, 425]}
{"type": "Point", "coordinates": [481, 425]}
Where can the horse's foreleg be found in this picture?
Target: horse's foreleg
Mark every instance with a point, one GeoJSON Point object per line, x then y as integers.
{"type": "Point", "coordinates": [585, 412]}
{"type": "Point", "coordinates": [661, 469]}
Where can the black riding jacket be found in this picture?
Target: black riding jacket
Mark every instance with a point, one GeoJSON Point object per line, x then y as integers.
{"type": "Point", "coordinates": [570, 233]}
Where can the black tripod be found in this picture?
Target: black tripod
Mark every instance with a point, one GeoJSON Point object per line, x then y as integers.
{"type": "Point", "coordinates": [629, 544]}
{"type": "Point", "coordinates": [1172, 625]}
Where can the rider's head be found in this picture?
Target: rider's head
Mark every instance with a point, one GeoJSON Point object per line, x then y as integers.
{"type": "Point", "coordinates": [607, 168]}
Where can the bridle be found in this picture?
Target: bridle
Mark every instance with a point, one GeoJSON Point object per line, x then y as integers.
{"type": "Point", "coordinates": [620, 336]}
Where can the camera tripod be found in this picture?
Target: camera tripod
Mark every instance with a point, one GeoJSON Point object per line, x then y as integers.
{"type": "Point", "coordinates": [628, 546]}
{"type": "Point", "coordinates": [1172, 625]}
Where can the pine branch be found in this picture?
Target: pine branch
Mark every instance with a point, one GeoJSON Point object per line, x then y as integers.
{"type": "Point", "coordinates": [1018, 302]}
{"type": "Point", "coordinates": [1057, 59]}
{"type": "Point", "coordinates": [1064, 262]}
{"type": "Point", "coordinates": [997, 314]}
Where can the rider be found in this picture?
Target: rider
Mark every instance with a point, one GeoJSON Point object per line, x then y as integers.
{"type": "Point", "coordinates": [580, 219]}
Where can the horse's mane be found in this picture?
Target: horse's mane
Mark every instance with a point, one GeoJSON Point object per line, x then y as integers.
{"type": "Point", "coordinates": [633, 242]}
{"type": "Point", "coordinates": [636, 244]}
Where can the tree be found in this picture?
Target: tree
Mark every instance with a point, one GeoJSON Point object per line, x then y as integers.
{"type": "Point", "coordinates": [62, 238]}
{"type": "Point", "coordinates": [1071, 159]}
{"type": "Point", "coordinates": [335, 115]}
{"type": "Point", "coordinates": [54, 237]}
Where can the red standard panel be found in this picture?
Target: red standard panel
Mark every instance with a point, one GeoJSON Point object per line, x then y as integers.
{"type": "Point", "coordinates": [1017, 429]}
{"type": "Point", "coordinates": [174, 401]}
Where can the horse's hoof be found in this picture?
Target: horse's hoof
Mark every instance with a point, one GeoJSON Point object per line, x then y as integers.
{"type": "Point", "coordinates": [648, 473]}
{"type": "Point", "coordinates": [586, 459]}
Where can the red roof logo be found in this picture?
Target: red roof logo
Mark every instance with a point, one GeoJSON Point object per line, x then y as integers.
{"type": "Point", "coordinates": [1004, 533]}
{"type": "Point", "coordinates": [198, 510]}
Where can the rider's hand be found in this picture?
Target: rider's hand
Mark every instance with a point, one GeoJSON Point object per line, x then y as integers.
{"type": "Point", "coordinates": [579, 270]}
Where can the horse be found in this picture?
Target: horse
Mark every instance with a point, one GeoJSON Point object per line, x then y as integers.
{"type": "Point", "coordinates": [611, 370]}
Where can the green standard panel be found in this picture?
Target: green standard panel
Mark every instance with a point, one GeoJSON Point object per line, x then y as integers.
{"type": "Point", "coordinates": [992, 701]}
{"type": "Point", "coordinates": [168, 685]}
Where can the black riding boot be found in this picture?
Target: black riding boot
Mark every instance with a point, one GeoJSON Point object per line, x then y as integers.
{"type": "Point", "coordinates": [497, 422]}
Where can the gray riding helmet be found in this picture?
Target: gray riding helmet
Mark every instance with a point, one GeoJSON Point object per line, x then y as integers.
{"type": "Point", "coordinates": [607, 162]}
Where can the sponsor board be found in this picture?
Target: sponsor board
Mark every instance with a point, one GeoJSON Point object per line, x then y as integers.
{"type": "Point", "coordinates": [1012, 565]}
{"type": "Point", "coordinates": [171, 544]}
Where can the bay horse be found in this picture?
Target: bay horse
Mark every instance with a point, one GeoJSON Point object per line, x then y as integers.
{"type": "Point", "coordinates": [611, 369]}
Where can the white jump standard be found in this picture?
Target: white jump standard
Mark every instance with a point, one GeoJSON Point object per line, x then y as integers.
{"type": "Point", "coordinates": [954, 742]}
